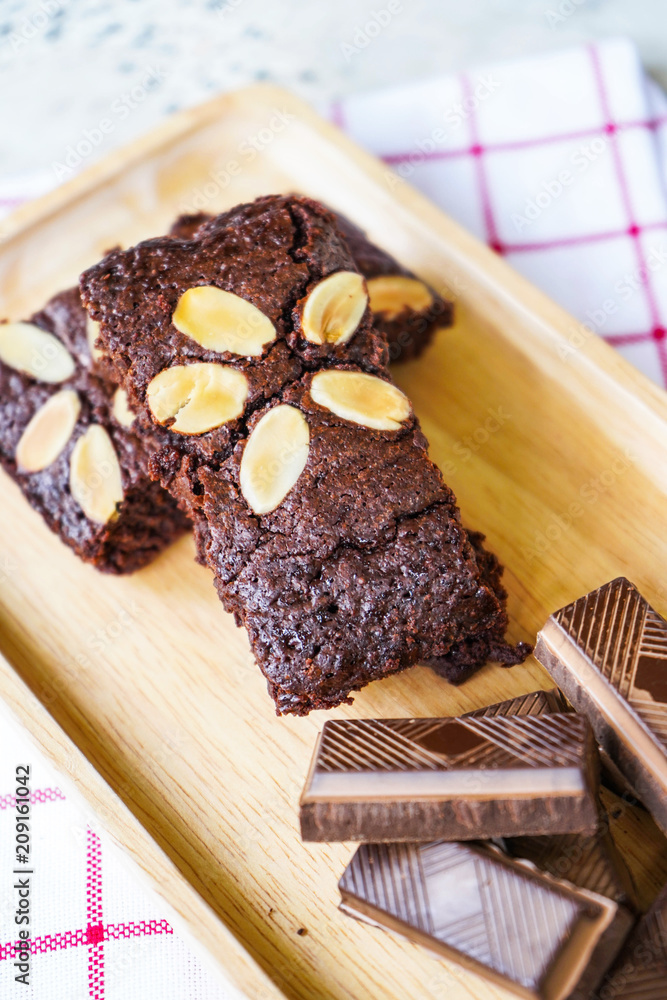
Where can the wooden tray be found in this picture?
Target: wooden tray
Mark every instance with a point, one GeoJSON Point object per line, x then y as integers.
{"type": "Point", "coordinates": [558, 455]}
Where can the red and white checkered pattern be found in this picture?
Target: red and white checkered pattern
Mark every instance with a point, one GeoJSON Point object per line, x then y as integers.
{"type": "Point", "coordinates": [505, 135]}
{"type": "Point", "coordinates": [491, 146]}
{"type": "Point", "coordinates": [95, 933]}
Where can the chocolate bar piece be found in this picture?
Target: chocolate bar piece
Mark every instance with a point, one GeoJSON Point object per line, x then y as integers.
{"type": "Point", "coordinates": [405, 309]}
{"type": "Point", "coordinates": [332, 537]}
{"type": "Point", "coordinates": [608, 652]}
{"type": "Point", "coordinates": [591, 861]}
{"type": "Point", "coordinates": [540, 702]}
{"type": "Point", "coordinates": [454, 779]}
{"type": "Point", "coordinates": [539, 936]}
{"type": "Point", "coordinates": [640, 973]}
{"type": "Point", "coordinates": [534, 703]}
{"type": "Point", "coordinates": [67, 439]}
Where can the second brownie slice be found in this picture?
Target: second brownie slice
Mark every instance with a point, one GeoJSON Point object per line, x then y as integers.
{"type": "Point", "coordinates": [331, 534]}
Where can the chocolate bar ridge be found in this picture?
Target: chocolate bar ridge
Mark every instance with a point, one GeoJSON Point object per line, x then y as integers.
{"type": "Point", "coordinates": [608, 652]}
{"type": "Point", "coordinates": [591, 861]}
{"type": "Point", "coordinates": [542, 937]}
{"type": "Point", "coordinates": [640, 972]}
{"type": "Point", "coordinates": [534, 703]}
{"type": "Point", "coordinates": [451, 779]}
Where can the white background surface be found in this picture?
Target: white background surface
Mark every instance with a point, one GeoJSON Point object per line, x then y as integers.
{"type": "Point", "coordinates": [63, 63]}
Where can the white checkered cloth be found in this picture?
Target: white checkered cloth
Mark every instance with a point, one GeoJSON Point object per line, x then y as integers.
{"type": "Point", "coordinates": [94, 932]}
{"type": "Point", "coordinates": [558, 162]}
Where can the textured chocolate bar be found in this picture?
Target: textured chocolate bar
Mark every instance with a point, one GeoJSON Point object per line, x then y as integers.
{"type": "Point", "coordinates": [539, 936]}
{"type": "Point", "coordinates": [535, 703]}
{"type": "Point", "coordinates": [451, 779]}
{"type": "Point", "coordinates": [590, 861]}
{"type": "Point", "coordinates": [641, 970]}
{"type": "Point", "coordinates": [608, 652]}
{"type": "Point", "coordinates": [551, 702]}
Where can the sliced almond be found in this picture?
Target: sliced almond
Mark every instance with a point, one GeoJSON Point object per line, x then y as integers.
{"type": "Point", "coordinates": [36, 353]}
{"type": "Point", "coordinates": [48, 432]}
{"type": "Point", "coordinates": [362, 399]}
{"type": "Point", "coordinates": [121, 409]}
{"type": "Point", "coordinates": [334, 308]}
{"type": "Point", "coordinates": [200, 396]}
{"type": "Point", "coordinates": [274, 458]}
{"type": "Point", "coordinates": [95, 479]}
{"type": "Point", "coordinates": [393, 293]}
{"type": "Point", "coordinates": [92, 333]}
{"type": "Point", "coordinates": [221, 321]}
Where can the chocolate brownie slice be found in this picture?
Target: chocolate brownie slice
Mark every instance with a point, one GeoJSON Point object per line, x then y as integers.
{"type": "Point", "coordinates": [66, 438]}
{"type": "Point", "coordinates": [331, 534]}
{"type": "Point", "coordinates": [405, 309]}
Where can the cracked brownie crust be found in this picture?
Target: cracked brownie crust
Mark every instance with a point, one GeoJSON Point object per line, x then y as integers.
{"type": "Point", "coordinates": [362, 567]}
{"type": "Point", "coordinates": [408, 329]}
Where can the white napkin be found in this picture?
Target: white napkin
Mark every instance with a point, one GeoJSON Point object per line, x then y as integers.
{"type": "Point", "coordinates": [560, 163]}
{"type": "Point", "coordinates": [94, 932]}
{"type": "Point", "coordinates": [557, 161]}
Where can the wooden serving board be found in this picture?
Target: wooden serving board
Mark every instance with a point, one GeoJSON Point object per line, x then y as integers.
{"type": "Point", "coordinates": [558, 454]}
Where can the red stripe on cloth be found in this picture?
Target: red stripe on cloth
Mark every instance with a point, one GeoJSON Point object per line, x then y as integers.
{"type": "Point", "coordinates": [659, 335]}
{"type": "Point", "coordinates": [478, 153]}
{"type": "Point", "coordinates": [73, 939]}
{"type": "Point", "coordinates": [511, 145]}
{"type": "Point", "coordinates": [337, 116]}
{"type": "Point", "coordinates": [634, 229]}
{"type": "Point", "coordinates": [142, 928]}
{"type": "Point", "coordinates": [568, 241]}
{"type": "Point", "coordinates": [46, 943]}
{"type": "Point", "coordinates": [39, 795]}
{"type": "Point", "coordinates": [621, 339]}
{"type": "Point", "coordinates": [95, 929]}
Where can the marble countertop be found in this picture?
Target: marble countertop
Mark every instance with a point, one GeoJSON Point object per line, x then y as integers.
{"type": "Point", "coordinates": [67, 65]}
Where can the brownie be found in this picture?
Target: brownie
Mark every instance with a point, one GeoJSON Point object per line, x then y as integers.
{"type": "Point", "coordinates": [409, 328]}
{"type": "Point", "coordinates": [358, 566]}
{"type": "Point", "coordinates": [463, 658]}
{"type": "Point", "coordinates": [146, 519]}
